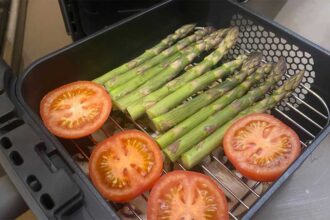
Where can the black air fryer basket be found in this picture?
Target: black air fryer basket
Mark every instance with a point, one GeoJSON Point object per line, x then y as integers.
{"type": "Point", "coordinates": [45, 169]}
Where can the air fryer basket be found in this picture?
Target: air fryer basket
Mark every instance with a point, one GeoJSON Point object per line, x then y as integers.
{"type": "Point", "coordinates": [306, 111]}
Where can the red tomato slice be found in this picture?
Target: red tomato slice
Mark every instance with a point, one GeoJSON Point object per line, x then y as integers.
{"type": "Point", "coordinates": [261, 147]}
{"type": "Point", "coordinates": [125, 165]}
{"type": "Point", "coordinates": [76, 109]}
{"type": "Point", "coordinates": [186, 195]}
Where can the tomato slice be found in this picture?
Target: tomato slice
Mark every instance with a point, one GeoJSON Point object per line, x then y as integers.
{"type": "Point", "coordinates": [76, 109]}
{"type": "Point", "coordinates": [261, 147]}
{"type": "Point", "coordinates": [186, 195]}
{"type": "Point", "coordinates": [125, 165]}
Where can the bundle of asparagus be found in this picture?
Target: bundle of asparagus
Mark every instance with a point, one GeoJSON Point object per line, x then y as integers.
{"type": "Point", "coordinates": [169, 40]}
{"type": "Point", "coordinates": [197, 153]}
{"type": "Point", "coordinates": [174, 52]}
{"type": "Point", "coordinates": [138, 108]}
{"type": "Point", "coordinates": [187, 90]}
{"type": "Point", "coordinates": [176, 115]}
{"type": "Point", "coordinates": [152, 81]}
{"type": "Point", "coordinates": [175, 49]}
{"type": "Point", "coordinates": [195, 119]}
{"type": "Point", "coordinates": [174, 150]}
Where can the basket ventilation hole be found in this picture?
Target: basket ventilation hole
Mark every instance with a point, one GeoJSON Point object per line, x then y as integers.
{"type": "Point", "coordinates": [47, 201]}
{"type": "Point", "coordinates": [6, 143]}
{"type": "Point", "coordinates": [33, 183]}
{"type": "Point", "coordinates": [16, 158]}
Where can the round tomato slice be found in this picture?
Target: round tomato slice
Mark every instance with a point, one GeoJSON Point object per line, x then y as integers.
{"type": "Point", "coordinates": [76, 109]}
{"type": "Point", "coordinates": [125, 165]}
{"type": "Point", "coordinates": [186, 195]}
{"type": "Point", "coordinates": [261, 147]}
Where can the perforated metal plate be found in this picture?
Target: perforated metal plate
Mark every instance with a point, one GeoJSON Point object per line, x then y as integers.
{"type": "Point", "coordinates": [255, 37]}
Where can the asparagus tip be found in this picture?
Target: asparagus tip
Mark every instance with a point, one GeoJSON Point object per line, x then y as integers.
{"type": "Point", "coordinates": [209, 29]}
{"type": "Point", "coordinates": [219, 33]}
{"type": "Point", "coordinates": [253, 60]}
{"type": "Point", "coordinates": [234, 31]}
{"type": "Point", "coordinates": [280, 66]}
{"type": "Point", "coordinates": [296, 79]}
{"type": "Point", "coordinates": [188, 27]}
{"type": "Point", "coordinates": [231, 37]}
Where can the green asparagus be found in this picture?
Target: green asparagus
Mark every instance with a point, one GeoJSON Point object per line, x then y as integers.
{"type": "Point", "coordinates": [138, 108]}
{"type": "Point", "coordinates": [178, 114]}
{"type": "Point", "coordinates": [192, 157]}
{"type": "Point", "coordinates": [169, 40]}
{"type": "Point", "coordinates": [153, 83]}
{"type": "Point", "coordinates": [195, 119]}
{"type": "Point", "coordinates": [174, 150]}
{"type": "Point", "coordinates": [141, 78]}
{"type": "Point", "coordinates": [179, 95]}
{"type": "Point", "coordinates": [122, 78]}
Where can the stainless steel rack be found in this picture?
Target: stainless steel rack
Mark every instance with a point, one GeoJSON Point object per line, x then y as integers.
{"type": "Point", "coordinates": [231, 193]}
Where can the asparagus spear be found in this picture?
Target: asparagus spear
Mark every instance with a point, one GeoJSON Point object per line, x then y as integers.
{"type": "Point", "coordinates": [174, 150]}
{"type": "Point", "coordinates": [171, 71]}
{"type": "Point", "coordinates": [138, 108]}
{"type": "Point", "coordinates": [138, 80]}
{"type": "Point", "coordinates": [205, 147]}
{"type": "Point", "coordinates": [122, 78]}
{"type": "Point", "coordinates": [169, 40]}
{"type": "Point", "coordinates": [176, 115]}
{"type": "Point", "coordinates": [195, 119]}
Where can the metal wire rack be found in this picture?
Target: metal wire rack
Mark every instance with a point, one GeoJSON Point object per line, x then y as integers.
{"type": "Point", "coordinates": [237, 197]}
{"type": "Point", "coordinates": [241, 193]}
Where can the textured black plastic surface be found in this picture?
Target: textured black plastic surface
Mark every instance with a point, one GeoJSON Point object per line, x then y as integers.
{"type": "Point", "coordinates": [41, 175]}
{"type": "Point", "coordinates": [83, 18]}
{"type": "Point", "coordinates": [24, 154]}
{"type": "Point", "coordinates": [87, 59]}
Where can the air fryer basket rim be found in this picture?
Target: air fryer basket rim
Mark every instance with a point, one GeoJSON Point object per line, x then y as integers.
{"type": "Point", "coordinates": [128, 19]}
{"type": "Point", "coordinates": [38, 124]}
{"type": "Point", "coordinates": [84, 40]}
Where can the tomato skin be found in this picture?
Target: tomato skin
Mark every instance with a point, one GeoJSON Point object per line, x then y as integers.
{"type": "Point", "coordinates": [266, 171]}
{"type": "Point", "coordinates": [51, 117]}
{"type": "Point", "coordinates": [191, 179]}
{"type": "Point", "coordinates": [140, 183]}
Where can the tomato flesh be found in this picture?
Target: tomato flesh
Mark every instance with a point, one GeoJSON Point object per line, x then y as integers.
{"type": "Point", "coordinates": [261, 147]}
{"type": "Point", "coordinates": [76, 109]}
{"type": "Point", "coordinates": [186, 195]}
{"type": "Point", "coordinates": [125, 165]}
